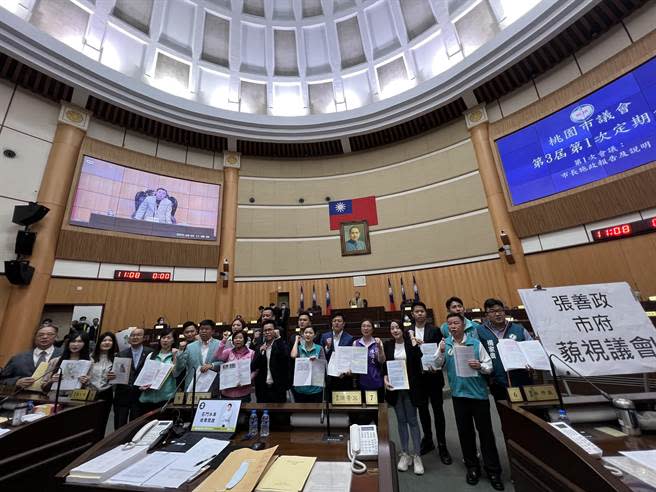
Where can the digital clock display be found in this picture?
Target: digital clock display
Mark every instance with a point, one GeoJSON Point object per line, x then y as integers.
{"type": "Point", "coordinates": [135, 276]}
{"type": "Point", "coordinates": [624, 230]}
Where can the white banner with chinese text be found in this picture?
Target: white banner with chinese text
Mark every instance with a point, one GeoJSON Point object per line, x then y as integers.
{"type": "Point", "coordinates": [598, 329]}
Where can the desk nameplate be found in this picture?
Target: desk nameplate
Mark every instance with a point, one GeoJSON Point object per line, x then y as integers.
{"type": "Point", "coordinates": [371, 397]}
{"type": "Point", "coordinates": [347, 398]}
{"type": "Point", "coordinates": [515, 395]}
{"type": "Point", "coordinates": [540, 392]}
{"type": "Point", "coordinates": [181, 398]}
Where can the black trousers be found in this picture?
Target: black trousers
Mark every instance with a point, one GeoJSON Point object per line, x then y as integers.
{"type": "Point", "coordinates": [499, 391]}
{"type": "Point", "coordinates": [270, 394]}
{"type": "Point", "coordinates": [431, 388]}
{"type": "Point", "coordinates": [307, 398]}
{"type": "Point", "coordinates": [469, 413]}
{"type": "Point", "coordinates": [124, 412]}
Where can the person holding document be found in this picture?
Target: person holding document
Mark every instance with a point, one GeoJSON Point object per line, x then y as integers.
{"type": "Point", "coordinates": [329, 340]}
{"type": "Point", "coordinates": [271, 363]}
{"type": "Point", "coordinates": [102, 360]}
{"type": "Point", "coordinates": [239, 351]}
{"type": "Point", "coordinates": [471, 403]}
{"type": "Point", "coordinates": [199, 354]}
{"type": "Point", "coordinates": [307, 349]}
{"type": "Point", "coordinates": [76, 348]}
{"type": "Point", "coordinates": [404, 401]}
{"type": "Point", "coordinates": [166, 353]}
{"type": "Point", "coordinates": [494, 328]}
{"type": "Point", "coordinates": [373, 380]}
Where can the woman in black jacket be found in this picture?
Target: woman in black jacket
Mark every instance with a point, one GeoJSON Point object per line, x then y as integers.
{"type": "Point", "coordinates": [402, 347]}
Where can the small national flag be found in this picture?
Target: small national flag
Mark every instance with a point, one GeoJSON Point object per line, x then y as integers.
{"type": "Point", "coordinates": [403, 298]}
{"type": "Point", "coordinates": [349, 210]}
{"type": "Point", "coordinates": [328, 308]}
{"type": "Point", "coordinates": [392, 306]}
{"type": "Point", "coordinates": [314, 297]}
{"type": "Point", "coordinates": [415, 288]}
{"type": "Point", "coordinates": [302, 300]}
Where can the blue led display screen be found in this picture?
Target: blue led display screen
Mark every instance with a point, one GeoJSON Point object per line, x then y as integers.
{"type": "Point", "coordinates": [605, 133]}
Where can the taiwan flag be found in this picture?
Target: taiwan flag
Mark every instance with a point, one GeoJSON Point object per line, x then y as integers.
{"type": "Point", "coordinates": [390, 291]}
{"type": "Point", "coordinates": [350, 210]}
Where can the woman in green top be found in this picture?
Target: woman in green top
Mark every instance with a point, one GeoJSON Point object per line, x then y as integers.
{"type": "Point", "coordinates": [151, 399]}
{"type": "Point", "coordinates": [306, 348]}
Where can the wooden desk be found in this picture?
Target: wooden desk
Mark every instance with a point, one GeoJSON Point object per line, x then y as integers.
{"type": "Point", "coordinates": [32, 453]}
{"type": "Point", "coordinates": [542, 459]}
{"type": "Point", "coordinates": [380, 477]}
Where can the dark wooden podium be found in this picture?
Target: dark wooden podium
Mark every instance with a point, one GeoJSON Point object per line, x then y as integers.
{"type": "Point", "coordinates": [32, 453]}
{"type": "Point", "coordinates": [380, 477]}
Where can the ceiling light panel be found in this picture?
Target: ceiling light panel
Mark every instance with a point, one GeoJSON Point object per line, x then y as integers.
{"type": "Point", "coordinates": [288, 100]}
{"type": "Point", "coordinates": [393, 78]}
{"type": "Point", "coordinates": [216, 40]}
{"type": "Point", "coordinates": [135, 13]}
{"type": "Point", "coordinates": [316, 50]}
{"type": "Point", "coordinates": [214, 89]}
{"type": "Point", "coordinates": [178, 29]}
{"type": "Point", "coordinates": [417, 16]}
{"type": "Point", "coordinates": [283, 10]}
{"type": "Point", "coordinates": [254, 7]}
{"type": "Point", "coordinates": [350, 42]}
{"type": "Point", "coordinates": [381, 29]}
{"type": "Point", "coordinates": [253, 48]}
{"type": "Point", "coordinates": [253, 97]}
{"type": "Point", "coordinates": [341, 5]}
{"type": "Point", "coordinates": [476, 27]}
{"type": "Point", "coordinates": [62, 19]}
{"type": "Point", "coordinates": [322, 98]}
{"type": "Point", "coordinates": [122, 52]}
{"type": "Point", "coordinates": [312, 8]}
{"type": "Point", "coordinates": [171, 75]}
{"type": "Point", "coordinates": [431, 58]}
{"type": "Point", "coordinates": [357, 90]}
{"type": "Point", "coordinates": [285, 59]}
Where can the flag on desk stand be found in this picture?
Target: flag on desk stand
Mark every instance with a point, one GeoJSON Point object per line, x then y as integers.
{"type": "Point", "coordinates": [403, 298]}
{"type": "Point", "coordinates": [415, 288]}
{"type": "Point", "coordinates": [392, 306]}
{"type": "Point", "coordinates": [328, 308]}
{"type": "Point", "coordinates": [314, 297]}
{"type": "Point", "coordinates": [302, 300]}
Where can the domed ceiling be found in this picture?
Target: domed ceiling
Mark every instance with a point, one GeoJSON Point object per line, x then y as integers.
{"type": "Point", "coordinates": [286, 69]}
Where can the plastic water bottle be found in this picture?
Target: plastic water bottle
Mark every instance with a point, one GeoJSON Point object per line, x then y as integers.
{"type": "Point", "coordinates": [252, 424]}
{"type": "Point", "coordinates": [562, 416]}
{"type": "Point", "coordinates": [264, 429]}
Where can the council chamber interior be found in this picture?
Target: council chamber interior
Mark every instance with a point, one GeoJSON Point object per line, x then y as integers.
{"type": "Point", "coordinates": [285, 245]}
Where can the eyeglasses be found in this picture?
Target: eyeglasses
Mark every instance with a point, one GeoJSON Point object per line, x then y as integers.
{"type": "Point", "coordinates": [496, 310]}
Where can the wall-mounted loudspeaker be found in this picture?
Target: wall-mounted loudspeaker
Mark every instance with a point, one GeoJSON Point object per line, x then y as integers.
{"type": "Point", "coordinates": [25, 243]}
{"type": "Point", "coordinates": [29, 214]}
{"type": "Point", "coordinates": [19, 272]}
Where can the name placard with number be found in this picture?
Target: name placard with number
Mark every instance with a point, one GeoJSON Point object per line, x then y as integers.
{"type": "Point", "coordinates": [79, 394]}
{"type": "Point", "coordinates": [371, 397]}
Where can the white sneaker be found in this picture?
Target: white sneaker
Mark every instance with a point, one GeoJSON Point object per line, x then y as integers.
{"type": "Point", "coordinates": [404, 462]}
{"type": "Point", "coordinates": [418, 465]}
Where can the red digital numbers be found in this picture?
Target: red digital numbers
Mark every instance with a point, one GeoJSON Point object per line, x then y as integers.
{"type": "Point", "coordinates": [625, 230]}
{"type": "Point", "coordinates": [136, 276]}
{"type": "Point", "coordinates": [161, 276]}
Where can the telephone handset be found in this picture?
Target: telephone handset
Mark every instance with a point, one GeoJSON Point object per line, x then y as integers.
{"type": "Point", "coordinates": [363, 444]}
{"type": "Point", "coordinates": [150, 434]}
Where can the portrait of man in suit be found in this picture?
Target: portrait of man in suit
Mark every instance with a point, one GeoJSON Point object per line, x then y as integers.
{"type": "Point", "coordinates": [355, 238]}
{"type": "Point", "coordinates": [156, 208]}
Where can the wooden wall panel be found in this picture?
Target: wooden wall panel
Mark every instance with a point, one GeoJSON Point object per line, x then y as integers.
{"type": "Point", "coordinates": [613, 196]}
{"type": "Point", "coordinates": [80, 243]}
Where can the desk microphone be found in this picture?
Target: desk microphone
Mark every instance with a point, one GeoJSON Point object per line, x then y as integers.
{"type": "Point", "coordinates": [178, 427]}
{"type": "Point", "coordinates": [624, 407]}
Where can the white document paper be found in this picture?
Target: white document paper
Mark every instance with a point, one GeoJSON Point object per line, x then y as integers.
{"type": "Point", "coordinates": [535, 354]}
{"type": "Point", "coordinates": [511, 355]}
{"type": "Point", "coordinates": [462, 355]}
{"type": "Point", "coordinates": [204, 381]}
{"type": "Point", "coordinates": [428, 356]}
{"type": "Point", "coordinates": [332, 367]}
{"type": "Point", "coordinates": [235, 373]}
{"type": "Point", "coordinates": [398, 374]}
{"type": "Point", "coordinates": [122, 339]}
{"type": "Point", "coordinates": [71, 371]}
{"type": "Point", "coordinates": [644, 458]}
{"type": "Point", "coordinates": [110, 460]}
{"type": "Point", "coordinates": [352, 359]}
{"type": "Point", "coordinates": [309, 372]}
{"type": "Point", "coordinates": [302, 371]}
{"type": "Point", "coordinates": [203, 451]}
{"type": "Point", "coordinates": [143, 469]}
{"type": "Point", "coordinates": [169, 477]}
{"type": "Point", "coordinates": [121, 367]}
{"type": "Point", "coordinates": [329, 476]}
{"type": "Point", "coordinates": [153, 374]}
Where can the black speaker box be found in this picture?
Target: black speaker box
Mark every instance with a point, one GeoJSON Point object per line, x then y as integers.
{"type": "Point", "coordinates": [25, 243]}
{"type": "Point", "coordinates": [19, 272]}
{"type": "Point", "coordinates": [29, 214]}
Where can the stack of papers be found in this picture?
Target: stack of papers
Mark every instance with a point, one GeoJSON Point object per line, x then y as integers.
{"type": "Point", "coordinates": [287, 474]}
{"type": "Point", "coordinates": [329, 476]}
{"type": "Point", "coordinates": [346, 359]}
{"type": "Point", "coordinates": [153, 374]}
{"type": "Point", "coordinates": [107, 464]}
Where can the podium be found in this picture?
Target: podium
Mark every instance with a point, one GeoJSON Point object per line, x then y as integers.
{"type": "Point", "coordinates": [32, 453]}
{"type": "Point", "coordinates": [380, 477]}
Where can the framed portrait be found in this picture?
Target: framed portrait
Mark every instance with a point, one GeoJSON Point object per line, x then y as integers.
{"type": "Point", "coordinates": [354, 237]}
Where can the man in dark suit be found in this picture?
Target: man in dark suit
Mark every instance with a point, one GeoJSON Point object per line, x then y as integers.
{"type": "Point", "coordinates": [337, 337]}
{"type": "Point", "coordinates": [430, 387]}
{"type": "Point", "coordinates": [272, 363]}
{"type": "Point", "coordinates": [20, 367]}
{"type": "Point", "coordinates": [126, 396]}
